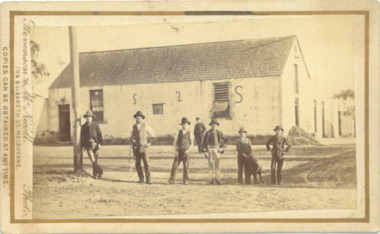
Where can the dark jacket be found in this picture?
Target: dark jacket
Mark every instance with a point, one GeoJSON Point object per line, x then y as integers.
{"type": "Point", "coordinates": [209, 139]}
{"type": "Point", "coordinates": [199, 130]}
{"type": "Point", "coordinates": [90, 133]}
{"type": "Point", "coordinates": [278, 148]}
{"type": "Point", "coordinates": [244, 149]}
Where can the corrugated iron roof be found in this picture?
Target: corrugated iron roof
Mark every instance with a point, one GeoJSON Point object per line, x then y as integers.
{"type": "Point", "coordinates": [179, 63]}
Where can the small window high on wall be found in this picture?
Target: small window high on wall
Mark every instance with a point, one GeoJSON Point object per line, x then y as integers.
{"type": "Point", "coordinates": [96, 104]}
{"type": "Point", "coordinates": [158, 109]}
{"type": "Point", "coordinates": [221, 104]}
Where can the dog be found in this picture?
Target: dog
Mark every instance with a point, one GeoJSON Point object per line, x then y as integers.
{"type": "Point", "coordinates": [252, 167]}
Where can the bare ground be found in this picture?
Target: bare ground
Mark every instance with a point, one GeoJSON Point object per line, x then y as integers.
{"type": "Point", "coordinates": [315, 177]}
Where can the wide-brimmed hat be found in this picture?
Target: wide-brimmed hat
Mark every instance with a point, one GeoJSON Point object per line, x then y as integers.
{"type": "Point", "coordinates": [184, 120]}
{"type": "Point", "coordinates": [214, 122]}
{"type": "Point", "coordinates": [242, 129]}
{"type": "Point", "coordinates": [139, 113]}
{"type": "Point", "coordinates": [278, 127]}
{"type": "Point", "coordinates": [89, 113]}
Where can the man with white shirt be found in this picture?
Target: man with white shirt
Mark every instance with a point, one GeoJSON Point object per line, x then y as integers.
{"type": "Point", "coordinates": [183, 143]}
{"type": "Point", "coordinates": [214, 143]}
{"type": "Point", "coordinates": [141, 139]}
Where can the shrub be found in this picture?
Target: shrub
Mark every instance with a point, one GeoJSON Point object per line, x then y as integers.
{"type": "Point", "coordinates": [298, 136]}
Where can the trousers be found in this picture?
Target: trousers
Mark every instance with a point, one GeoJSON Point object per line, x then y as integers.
{"type": "Point", "coordinates": [276, 161]}
{"type": "Point", "coordinates": [214, 161]}
{"type": "Point", "coordinates": [184, 158]}
{"type": "Point", "coordinates": [142, 156]}
{"type": "Point", "coordinates": [93, 154]}
{"type": "Point", "coordinates": [241, 169]}
{"type": "Point", "coordinates": [199, 139]}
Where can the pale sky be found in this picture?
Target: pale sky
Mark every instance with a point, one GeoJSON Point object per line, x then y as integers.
{"type": "Point", "coordinates": [326, 41]}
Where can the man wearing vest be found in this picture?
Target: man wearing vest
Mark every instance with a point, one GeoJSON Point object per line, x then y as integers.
{"type": "Point", "coordinates": [183, 143]}
{"type": "Point", "coordinates": [141, 139]}
{"type": "Point", "coordinates": [278, 141]}
{"type": "Point", "coordinates": [91, 140]}
{"type": "Point", "coordinates": [214, 143]}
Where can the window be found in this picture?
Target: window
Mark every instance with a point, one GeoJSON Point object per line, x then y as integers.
{"type": "Point", "coordinates": [295, 78]}
{"type": "Point", "coordinates": [96, 104]}
{"type": "Point", "coordinates": [296, 105]}
{"type": "Point", "coordinates": [315, 115]}
{"type": "Point", "coordinates": [221, 105]}
{"type": "Point", "coordinates": [158, 109]}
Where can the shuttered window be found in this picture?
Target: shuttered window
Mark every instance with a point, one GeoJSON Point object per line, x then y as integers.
{"type": "Point", "coordinates": [158, 109]}
{"type": "Point", "coordinates": [221, 104]}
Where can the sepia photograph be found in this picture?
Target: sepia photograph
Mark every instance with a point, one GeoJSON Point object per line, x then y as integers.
{"type": "Point", "coordinates": [194, 117]}
{"type": "Point", "coordinates": [176, 117]}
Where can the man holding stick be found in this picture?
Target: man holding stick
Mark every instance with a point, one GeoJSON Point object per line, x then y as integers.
{"type": "Point", "coordinates": [141, 139]}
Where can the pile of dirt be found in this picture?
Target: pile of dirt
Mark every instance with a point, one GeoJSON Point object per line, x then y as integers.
{"type": "Point", "coordinates": [298, 136]}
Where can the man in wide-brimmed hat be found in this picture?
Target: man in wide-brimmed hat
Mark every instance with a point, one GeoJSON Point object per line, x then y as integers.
{"type": "Point", "coordinates": [199, 131]}
{"type": "Point", "coordinates": [183, 143]}
{"type": "Point", "coordinates": [91, 140]}
{"type": "Point", "coordinates": [214, 143]}
{"type": "Point", "coordinates": [278, 150]}
{"type": "Point", "coordinates": [244, 149]}
{"type": "Point", "coordinates": [141, 139]}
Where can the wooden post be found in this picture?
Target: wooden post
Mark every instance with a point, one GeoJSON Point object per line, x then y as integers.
{"type": "Point", "coordinates": [75, 99]}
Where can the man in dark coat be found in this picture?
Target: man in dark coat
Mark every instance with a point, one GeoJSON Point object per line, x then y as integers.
{"type": "Point", "coordinates": [244, 149]}
{"type": "Point", "coordinates": [91, 140]}
{"type": "Point", "coordinates": [183, 143]}
{"type": "Point", "coordinates": [278, 150]}
{"type": "Point", "coordinates": [214, 143]}
{"type": "Point", "coordinates": [199, 131]}
{"type": "Point", "coordinates": [141, 135]}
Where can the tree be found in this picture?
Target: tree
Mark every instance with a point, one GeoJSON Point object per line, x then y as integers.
{"type": "Point", "coordinates": [39, 70]}
{"type": "Point", "coordinates": [345, 94]}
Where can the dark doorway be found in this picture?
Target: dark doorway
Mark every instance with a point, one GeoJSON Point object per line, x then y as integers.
{"type": "Point", "coordinates": [323, 120]}
{"type": "Point", "coordinates": [296, 109]}
{"type": "Point", "coordinates": [64, 122]}
{"type": "Point", "coordinates": [340, 122]}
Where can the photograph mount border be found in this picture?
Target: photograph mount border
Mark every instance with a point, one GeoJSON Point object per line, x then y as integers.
{"type": "Point", "coordinates": [366, 217]}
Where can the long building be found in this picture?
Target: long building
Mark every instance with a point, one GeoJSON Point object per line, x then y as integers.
{"type": "Point", "coordinates": [252, 83]}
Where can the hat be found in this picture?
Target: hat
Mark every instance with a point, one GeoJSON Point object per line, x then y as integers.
{"type": "Point", "coordinates": [139, 113]}
{"type": "Point", "coordinates": [242, 129]}
{"type": "Point", "coordinates": [184, 120]}
{"type": "Point", "coordinates": [214, 122]}
{"type": "Point", "coordinates": [197, 118]}
{"type": "Point", "coordinates": [278, 127]}
{"type": "Point", "coordinates": [89, 113]}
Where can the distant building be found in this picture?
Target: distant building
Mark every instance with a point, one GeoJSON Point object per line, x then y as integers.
{"type": "Point", "coordinates": [252, 83]}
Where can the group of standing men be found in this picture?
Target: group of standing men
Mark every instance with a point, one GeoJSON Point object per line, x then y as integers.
{"type": "Point", "coordinates": [212, 143]}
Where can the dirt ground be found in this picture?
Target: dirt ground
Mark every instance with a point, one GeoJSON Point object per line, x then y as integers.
{"type": "Point", "coordinates": [314, 177]}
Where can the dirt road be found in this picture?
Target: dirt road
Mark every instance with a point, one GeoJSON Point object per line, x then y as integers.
{"type": "Point", "coordinates": [315, 177]}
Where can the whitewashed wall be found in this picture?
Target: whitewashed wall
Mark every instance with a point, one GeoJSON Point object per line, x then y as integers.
{"type": "Point", "coordinates": [257, 109]}
{"type": "Point", "coordinates": [306, 93]}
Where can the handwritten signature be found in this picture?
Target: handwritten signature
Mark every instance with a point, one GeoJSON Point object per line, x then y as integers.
{"type": "Point", "coordinates": [27, 200]}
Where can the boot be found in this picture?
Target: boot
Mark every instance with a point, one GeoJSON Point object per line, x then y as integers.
{"type": "Point", "coordinates": [173, 175]}
{"type": "Point", "coordinates": [279, 178]}
{"type": "Point", "coordinates": [148, 179]}
{"type": "Point", "coordinates": [273, 176]}
{"type": "Point", "coordinates": [140, 174]}
{"type": "Point", "coordinates": [217, 175]}
{"type": "Point", "coordinates": [147, 175]}
{"type": "Point", "coordinates": [210, 176]}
